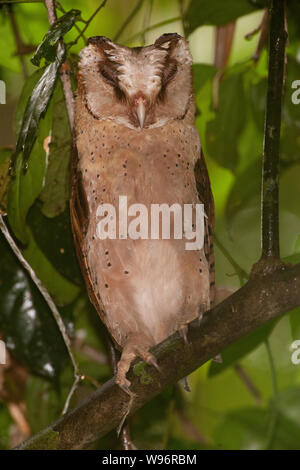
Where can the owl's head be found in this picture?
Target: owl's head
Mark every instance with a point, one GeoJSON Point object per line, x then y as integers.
{"type": "Point", "coordinates": [138, 87]}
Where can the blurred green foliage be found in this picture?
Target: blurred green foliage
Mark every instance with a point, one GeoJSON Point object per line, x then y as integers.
{"type": "Point", "coordinates": [221, 411]}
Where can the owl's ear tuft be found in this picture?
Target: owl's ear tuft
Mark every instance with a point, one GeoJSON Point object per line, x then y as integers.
{"type": "Point", "coordinates": [167, 37]}
{"type": "Point", "coordinates": [101, 41]}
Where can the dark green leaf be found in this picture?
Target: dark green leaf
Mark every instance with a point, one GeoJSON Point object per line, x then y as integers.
{"type": "Point", "coordinates": [36, 107]}
{"type": "Point", "coordinates": [55, 193]}
{"type": "Point", "coordinates": [47, 48]}
{"type": "Point", "coordinates": [241, 348]}
{"type": "Point", "coordinates": [26, 321]}
{"type": "Point", "coordinates": [202, 73]}
{"type": "Point", "coordinates": [25, 187]}
{"type": "Point", "coordinates": [62, 290]}
{"type": "Point", "coordinates": [55, 240]}
{"type": "Point", "coordinates": [222, 133]}
{"type": "Point", "coordinates": [218, 12]}
{"type": "Point", "coordinates": [248, 429]}
{"type": "Point", "coordinates": [246, 185]}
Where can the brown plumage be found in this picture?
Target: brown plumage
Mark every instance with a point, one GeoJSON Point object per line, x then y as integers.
{"type": "Point", "coordinates": [135, 136]}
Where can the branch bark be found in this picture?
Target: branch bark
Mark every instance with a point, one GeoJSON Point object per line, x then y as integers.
{"type": "Point", "coordinates": [270, 218]}
{"type": "Point", "coordinates": [258, 301]}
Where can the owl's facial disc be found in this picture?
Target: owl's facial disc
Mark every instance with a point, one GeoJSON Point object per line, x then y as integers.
{"type": "Point", "coordinates": [139, 87]}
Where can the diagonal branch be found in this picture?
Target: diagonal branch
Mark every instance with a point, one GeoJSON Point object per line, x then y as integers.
{"type": "Point", "coordinates": [258, 301]}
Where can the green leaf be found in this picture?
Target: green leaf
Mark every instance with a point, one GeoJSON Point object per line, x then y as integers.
{"type": "Point", "coordinates": [54, 238]}
{"type": "Point", "coordinates": [25, 187]}
{"type": "Point", "coordinates": [36, 108]}
{"type": "Point", "coordinates": [248, 428]}
{"type": "Point", "coordinates": [28, 326]}
{"type": "Point", "coordinates": [218, 12]}
{"type": "Point", "coordinates": [26, 92]}
{"type": "Point", "coordinates": [5, 155]}
{"type": "Point", "coordinates": [55, 193]}
{"type": "Point", "coordinates": [47, 48]}
{"type": "Point", "coordinates": [241, 348]}
{"type": "Point", "coordinates": [246, 185]}
{"type": "Point", "coordinates": [201, 74]}
{"type": "Point", "coordinates": [44, 402]}
{"type": "Point", "coordinates": [62, 290]}
{"type": "Point", "coordinates": [222, 133]}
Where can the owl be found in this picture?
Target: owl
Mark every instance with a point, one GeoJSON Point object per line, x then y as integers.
{"type": "Point", "coordinates": [135, 137]}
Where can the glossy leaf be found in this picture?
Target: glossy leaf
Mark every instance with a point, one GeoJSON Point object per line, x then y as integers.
{"type": "Point", "coordinates": [25, 187]}
{"type": "Point", "coordinates": [36, 108]}
{"type": "Point", "coordinates": [218, 12]}
{"type": "Point", "coordinates": [55, 193]}
{"type": "Point", "coordinates": [47, 48]}
{"type": "Point", "coordinates": [27, 324]}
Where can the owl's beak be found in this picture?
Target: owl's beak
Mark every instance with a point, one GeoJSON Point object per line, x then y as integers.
{"type": "Point", "coordinates": [140, 109]}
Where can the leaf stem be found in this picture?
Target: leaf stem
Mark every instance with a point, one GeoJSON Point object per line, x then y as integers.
{"type": "Point", "coordinates": [150, 28]}
{"type": "Point", "coordinates": [129, 19]}
{"type": "Point", "coordinates": [87, 23]}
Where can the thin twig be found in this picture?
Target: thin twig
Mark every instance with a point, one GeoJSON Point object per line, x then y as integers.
{"type": "Point", "coordinates": [50, 304]}
{"type": "Point", "coordinates": [247, 381]}
{"type": "Point", "coordinates": [61, 8]}
{"type": "Point", "coordinates": [240, 272]}
{"type": "Point", "coordinates": [18, 40]}
{"type": "Point", "coordinates": [129, 19]}
{"type": "Point", "coordinates": [151, 28]}
{"type": "Point", "coordinates": [147, 19]}
{"type": "Point", "coordinates": [87, 23]}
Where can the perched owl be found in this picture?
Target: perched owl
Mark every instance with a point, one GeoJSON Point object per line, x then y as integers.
{"type": "Point", "coordinates": [135, 137]}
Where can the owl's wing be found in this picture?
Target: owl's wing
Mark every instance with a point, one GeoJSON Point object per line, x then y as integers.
{"type": "Point", "coordinates": [206, 198]}
{"type": "Point", "coordinates": [79, 214]}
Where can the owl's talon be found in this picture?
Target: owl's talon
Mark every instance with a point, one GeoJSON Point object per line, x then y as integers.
{"type": "Point", "coordinates": [183, 330]}
{"type": "Point", "coordinates": [218, 358]}
{"type": "Point", "coordinates": [185, 384]}
{"type": "Point", "coordinates": [150, 360]}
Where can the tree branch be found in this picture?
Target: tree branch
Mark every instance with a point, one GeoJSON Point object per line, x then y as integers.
{"type": "Point", "coordinates": [270, 218]}
{"type": "Point", "coordinates": [257, 302]}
